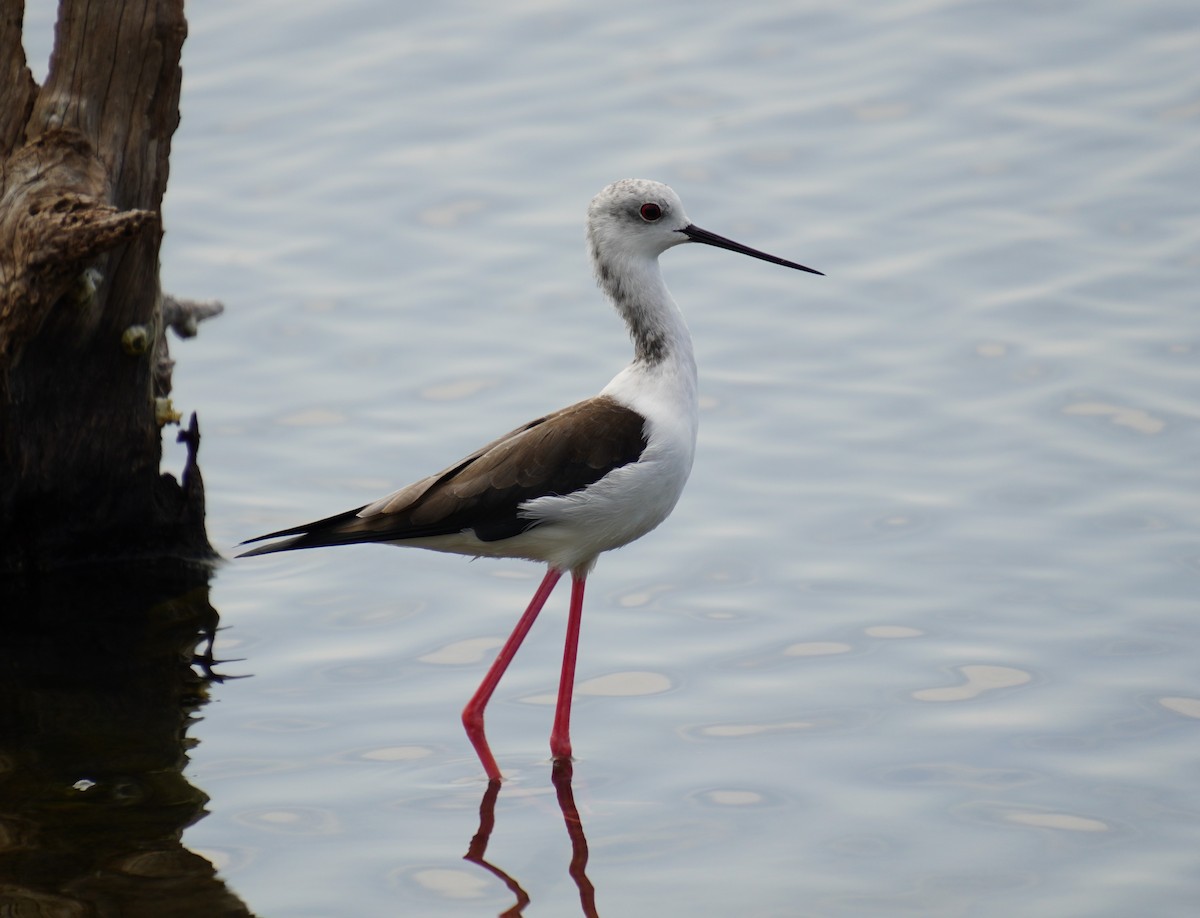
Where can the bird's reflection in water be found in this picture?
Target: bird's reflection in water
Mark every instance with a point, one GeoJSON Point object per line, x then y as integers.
{"type": "Point", "coordinates": [562, 775]}
{"type": "Point", "coordinates": [579, 849]}
{"type": "Point", "coordinates": [478, 848]}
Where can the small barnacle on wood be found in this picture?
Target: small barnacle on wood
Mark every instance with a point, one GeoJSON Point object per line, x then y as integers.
{"type": "Point", "coordinates": [165, 413]}
{"type": "Point", "coordinates": [135, 341]}
{"type": "Point", "coordinates": [83, 292]}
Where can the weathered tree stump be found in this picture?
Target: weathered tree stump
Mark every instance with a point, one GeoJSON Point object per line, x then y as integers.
{"type": "Point", "coordinates": [84, 371]}
{"type": "Point", "coordinates": [97, 678]}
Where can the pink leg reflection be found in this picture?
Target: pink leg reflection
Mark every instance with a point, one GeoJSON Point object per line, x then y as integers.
{"type": "Point", "coordinates": [579, 849]}
{"type": "Point", "coordinates": [478, 848]}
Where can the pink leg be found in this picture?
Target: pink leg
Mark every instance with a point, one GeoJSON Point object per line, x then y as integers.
{"type": "Point", "coordinates": [472, 715]}
{"type": "Point", "coordinates": [560, 735]}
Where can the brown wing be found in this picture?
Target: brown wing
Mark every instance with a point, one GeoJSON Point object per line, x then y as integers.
{"type": "Point", "coordinates": [554, 455]}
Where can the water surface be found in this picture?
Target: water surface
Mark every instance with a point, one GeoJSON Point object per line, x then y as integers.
{"type": "Point", "coordinates": [921, 636]}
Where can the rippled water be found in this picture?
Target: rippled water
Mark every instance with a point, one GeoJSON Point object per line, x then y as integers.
{"type": "Point", "coordinates": [921, 637]}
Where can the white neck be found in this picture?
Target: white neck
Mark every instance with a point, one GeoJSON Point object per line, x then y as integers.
{"type": "Point", "coordinates": [661, 382]}
{"type": "Point", "coordinates": [634, 284]}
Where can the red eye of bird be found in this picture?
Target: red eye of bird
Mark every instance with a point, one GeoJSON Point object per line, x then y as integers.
{"type": "Point", "coordinates": [650, 212]}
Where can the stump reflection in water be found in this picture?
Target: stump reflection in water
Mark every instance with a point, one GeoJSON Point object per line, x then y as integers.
{"type": "Point", "coordinates": [99, 682]}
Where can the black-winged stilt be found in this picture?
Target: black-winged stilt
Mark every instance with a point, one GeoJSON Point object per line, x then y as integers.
{"type": "Point", "coordinates": [583, 480]}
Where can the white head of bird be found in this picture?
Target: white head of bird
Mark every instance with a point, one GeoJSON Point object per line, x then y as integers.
{"type": "Point", "coordinates": [636, 218]}
{"type": "Point", "coordinates": [630, 223]}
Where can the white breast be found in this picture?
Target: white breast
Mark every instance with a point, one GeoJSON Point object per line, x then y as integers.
{"type": "Point", "coordinates": [631, 500]}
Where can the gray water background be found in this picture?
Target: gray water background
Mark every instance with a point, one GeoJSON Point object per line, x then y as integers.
{"type": "Point", "coordinates": [922, 635]}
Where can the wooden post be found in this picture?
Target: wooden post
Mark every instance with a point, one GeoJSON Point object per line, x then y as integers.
{"type": "Point", "coordinates": [84, 371]}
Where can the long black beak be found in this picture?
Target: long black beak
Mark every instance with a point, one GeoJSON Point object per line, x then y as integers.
{"type": "Point", "coordinates": [695, 234]}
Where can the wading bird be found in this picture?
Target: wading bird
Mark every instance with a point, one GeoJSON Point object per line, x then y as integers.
{"type": "Point", "coordinates": [583, 480]}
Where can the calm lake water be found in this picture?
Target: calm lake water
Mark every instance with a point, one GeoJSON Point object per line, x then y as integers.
{"type": "Point", "coordinates": [920, 639]}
